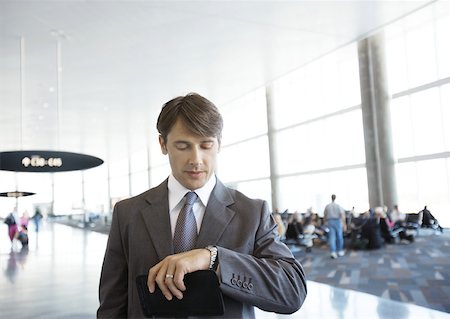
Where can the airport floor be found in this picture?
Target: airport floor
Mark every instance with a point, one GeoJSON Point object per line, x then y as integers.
{"type": "Point", "coordinates": [57, 277]}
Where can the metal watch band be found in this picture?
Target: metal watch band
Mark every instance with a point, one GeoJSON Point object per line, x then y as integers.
{"type": "Point", "coordinates": [213, 260]}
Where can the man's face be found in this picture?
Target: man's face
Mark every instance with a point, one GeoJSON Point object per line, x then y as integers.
{"type": "Point", "coordinates": [193, 158]}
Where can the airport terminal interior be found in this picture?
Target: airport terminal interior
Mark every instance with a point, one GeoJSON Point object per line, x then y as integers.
{"type": "Point", "coordinates": [318, 97]}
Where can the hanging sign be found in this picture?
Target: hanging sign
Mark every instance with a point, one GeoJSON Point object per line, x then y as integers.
{"type": "Point", "coordinates": [46, 161]}
{"type": "Point", "coordinates": [16, 194]}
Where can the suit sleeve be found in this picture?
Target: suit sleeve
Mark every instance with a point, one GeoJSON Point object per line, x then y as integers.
{"type": "Point", "coordinates": [114, 280]}
{"type": "Point", "coordinates": [270, 278]}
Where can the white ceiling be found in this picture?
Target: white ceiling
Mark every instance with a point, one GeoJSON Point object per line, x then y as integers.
{"type": "Point", "coordinates": [121, 60]}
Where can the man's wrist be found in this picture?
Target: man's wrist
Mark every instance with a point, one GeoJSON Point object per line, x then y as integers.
{"type": "Point", "coordinates": [214, 260]}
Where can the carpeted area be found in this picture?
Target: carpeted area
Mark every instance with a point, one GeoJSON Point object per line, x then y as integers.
{"type": "Point", "coordinates": [417, 273]}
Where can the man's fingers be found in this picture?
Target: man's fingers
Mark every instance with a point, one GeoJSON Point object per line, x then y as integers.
{"type": "Point", "coordinates": [157, 276]}
{"type": "Point", "coordinates": [169, 273]}
{"type": "Point", "coordinates": [172, 278]}
{"type": "Point", "coordinates": [170, 282]}
{"type": "Point", "coordinates": [162, 284]}
{"type": "Point", "coordinates": [152, 273]}
{"type": "Point", "coordinates": [178, 280]}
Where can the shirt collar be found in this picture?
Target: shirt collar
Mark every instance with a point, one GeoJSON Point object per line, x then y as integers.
{"type": "Point", "coordinates": [177, 191]}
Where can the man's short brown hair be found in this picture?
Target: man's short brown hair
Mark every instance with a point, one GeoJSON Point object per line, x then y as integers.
{"type": "Point", "coordinates": [199, 114]}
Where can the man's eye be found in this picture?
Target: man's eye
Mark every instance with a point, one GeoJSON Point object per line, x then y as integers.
{"type": "Point", "coordinates": [181, 146]}
{"type": "Point", "coordinates": [207, 146]}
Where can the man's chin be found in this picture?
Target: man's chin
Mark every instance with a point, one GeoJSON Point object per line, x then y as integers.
{"type": "Point", "coordinates": [194, 184]}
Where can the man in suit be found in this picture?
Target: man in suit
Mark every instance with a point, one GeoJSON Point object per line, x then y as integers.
{"type": "Point", "coordinates": [236, 235]}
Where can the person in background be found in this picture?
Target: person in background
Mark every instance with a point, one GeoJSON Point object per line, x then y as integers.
{"type": "Point", "coordinates": [308, 233]}
{"type": "Point", "coordinates": [428, 220]}
{"type": "Point", "coordinates": [24, 219]}
{"type": "Point", "coordinates": [37, 217]}
{"type": "Point", "coordinates": [320, 229]}
{"type": "Point", "coordinates": [230, 234]}
{"type": "Point", "coordinates": [295, 227]}
{"type": "Point", "coordinates": [281, 229]}
{"type": "Point", "coordinates": [334, 216]}
{"type": "Point", "coordinates": [397, 217]}
{"type": "Point", "coordinates": [353, 212]}
{"type": "Point", "coordinates": [12, 220]}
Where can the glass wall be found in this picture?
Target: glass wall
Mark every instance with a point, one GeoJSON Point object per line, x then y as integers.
{"type": "Point", "coordinates": [244, 159]}
{"type": "Point", "coordinates": [96, 190]}
{"type": "Point", "coordinates": [38, 183]}
{"type": "Point", "coordinates": [318, 135]}
{"type": "Point", "coordinates": [418, 48]}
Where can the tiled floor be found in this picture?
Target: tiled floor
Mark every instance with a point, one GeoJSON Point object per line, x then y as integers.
{"type": "Point", "coordinates": [57, 277]}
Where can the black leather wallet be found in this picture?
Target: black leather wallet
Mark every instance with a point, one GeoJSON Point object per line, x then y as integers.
{"type": "Point", "coordinates": [201, 298]}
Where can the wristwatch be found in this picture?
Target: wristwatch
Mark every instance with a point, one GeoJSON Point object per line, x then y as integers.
{"type": "Point", "coordinates": [213, 262]}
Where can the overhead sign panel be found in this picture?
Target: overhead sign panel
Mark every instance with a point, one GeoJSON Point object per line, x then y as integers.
{"type": "Point", "coordinates": [16, 194]}
{"type": "Point", "coordinates": [46, 161]}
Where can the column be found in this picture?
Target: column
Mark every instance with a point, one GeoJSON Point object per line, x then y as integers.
{"type": "Point", "coordinates": [272, 148]}
{"type": "Point", "coordinates": [375, 99]}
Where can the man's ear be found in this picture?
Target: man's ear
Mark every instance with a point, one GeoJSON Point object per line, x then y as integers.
{"type": "Point", "coordinates": [163, 145]}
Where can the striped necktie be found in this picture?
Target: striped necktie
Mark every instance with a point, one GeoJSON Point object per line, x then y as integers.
{"type": "Point", "coordinates": [185, 234]}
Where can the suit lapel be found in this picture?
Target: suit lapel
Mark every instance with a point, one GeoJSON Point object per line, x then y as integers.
{"type": "Point", "coordinates": [217, 216]}
{"type": "Point", "coordinates": [157, 220]}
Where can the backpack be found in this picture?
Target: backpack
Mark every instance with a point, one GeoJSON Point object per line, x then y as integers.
{"type": "Point", "coordinates": [10, 220]}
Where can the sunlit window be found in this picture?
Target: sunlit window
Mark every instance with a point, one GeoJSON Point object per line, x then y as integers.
{"type": "Point", "coordinates": [245, 117]}
{"type": "Point", "coordinates": [68, 193]}
{"type": "Point", "coordinates": [139, 160]}
{"type": "Point", "coordinates": [417, 55]}
{"type": "Point", "coordinates": [256, 189]}
{"type": "Point", "coordinates": [157, 158]}
{"type": "Point", "coordinates": [443, 44]}
{"type": "Point", "coordinates": [418, 124]}
{"type": "Point", "coordinates": [423, 183]}
{"type": "Point", "coordinates": [332, 142]}
{"type": "Point", "coordinates": [421, 59]}
{"type": "Point", "coordinates": [298, 193]}
{"type": "Point", "coordinates": [139, 182]}
{"type": "Point", "coordinates": [408, 191]}
{"type": "Point", "coordinates": [96, 189]}
{"type": "Point", "coordinates": [7, 182]}
{"type": "Point", "coordinates": [159, 174]}
{"type": "Point", "coordinates": [427, 122]}
{"type": "Point", "coordinates": [445, 103]}
{"type": "Point", "coordinates": [243, 161]}
{"type": "Point", "coordinates": [300, 96]}
{"type": "Point", "coordinates": [402, 127]}
{"type": "Point", "coordinates": [120, 186]}
{"type": "Point", "coordinates": [38, 183]}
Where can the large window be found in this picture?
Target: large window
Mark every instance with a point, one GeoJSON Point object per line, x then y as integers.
{"type": "Point", "coordinates": [328, 143]}
{"type": "Point", "coordinates": [244, 161]}
{"type": "Point", "coordinates": [419, 75]}
{"type": "Point", "coordinates": [96, 189]}
{"type": "Point", "coordinates": [244, 118]}
{"type": "Point", "coordinates": [323, 87]}
{"type": "Point", "coordinates": [68, 190]}
{"type": "Point", "coordinates": [299, 192]}
{"type": "Point", "coordinates": [319, 134]}
{"type": "Point", "coordinates": [244, 158]}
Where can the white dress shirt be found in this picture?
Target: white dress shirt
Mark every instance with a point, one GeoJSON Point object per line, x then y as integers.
{"type": "Point", "coordinates": [176, 200]}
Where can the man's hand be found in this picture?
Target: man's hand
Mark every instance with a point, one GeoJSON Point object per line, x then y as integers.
{"type": "Point", "coordinates": [169, 273]}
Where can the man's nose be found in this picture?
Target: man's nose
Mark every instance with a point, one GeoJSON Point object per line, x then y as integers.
{"type": "Point", "coordinates": [195, 156]}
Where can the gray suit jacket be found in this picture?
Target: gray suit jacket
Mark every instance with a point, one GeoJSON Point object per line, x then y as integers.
{"type": "Point", "coordinates": [256, 269]}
